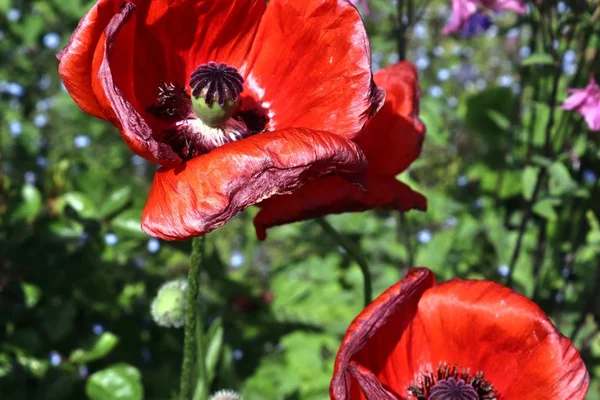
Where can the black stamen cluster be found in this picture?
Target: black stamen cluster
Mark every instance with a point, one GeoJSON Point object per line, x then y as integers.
{"type": "Point", "coordinates": [223, 81]}
{"type": "Point", "coordinates": [446, 385]}
{"type": "Point", "coordinates": [172, 102]}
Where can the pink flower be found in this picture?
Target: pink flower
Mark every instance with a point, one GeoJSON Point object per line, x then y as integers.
{"type": "Point", "coordinates": [586, 102]}
{"type": "Point", "coordinates": [462, 10]}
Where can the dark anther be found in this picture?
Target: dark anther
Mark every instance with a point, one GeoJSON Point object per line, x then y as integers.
{"type": "Point", "coordinates": [221, 80]}
{"type": "Point", "coordinates": [450, 383]}
{"type": "Point", "coordinates": [172, 103]}
{"type": "Point", "coordinates": [453, 389]}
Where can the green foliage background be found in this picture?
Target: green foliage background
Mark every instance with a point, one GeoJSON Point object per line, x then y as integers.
{"type": "Point", "coordinates": [77, 274]}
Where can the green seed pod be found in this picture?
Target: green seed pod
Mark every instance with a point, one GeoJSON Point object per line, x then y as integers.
{"type": "Point", "coordinates": [168, 307]}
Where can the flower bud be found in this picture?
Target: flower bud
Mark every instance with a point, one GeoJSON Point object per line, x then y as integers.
{"type": "Point", "coordinates": [168, 307]}
{"type": "Point", "coordinates": [225, 395]}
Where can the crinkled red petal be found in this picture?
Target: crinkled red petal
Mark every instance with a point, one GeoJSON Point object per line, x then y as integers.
{"type": "Point", "coordinates": [207, 191]}
{"type": "Point", "coordinates": [393, 138]}
{"type": "Point", "coordinates": [310, 66]}
{"type": "Point", "coordinates": [333, 195]}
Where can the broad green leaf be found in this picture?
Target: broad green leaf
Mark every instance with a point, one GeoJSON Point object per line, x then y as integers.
{"type": "Point", "coordinates": [66, 229]}
{"type": "Point", "coordinates": [545, 208]}
{"type": "Point", "coordinates": [118, 382]}
{"type": "Point", "coordinates": [128, 223]}
{"type": "Point", "coordinates": [104, 345]}
{"type": "Point", "coordinates": [80, 202]}
{"type": "Point", "coordinates": [115, 202]}
{"type": "Point", "coordinates": [32, 294]}
{"type": "Point", "coordinates": [561, 181]}
{"type": "Point", "coordinates": [30, 206]}
{"type": "Point", "coordinates": [530, 176]}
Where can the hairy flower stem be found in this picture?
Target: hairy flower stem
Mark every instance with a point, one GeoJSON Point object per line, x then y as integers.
{"type": "Point", "coordinates": [193, 322]}
{"type": "Point", "coordinates": [354, 252]}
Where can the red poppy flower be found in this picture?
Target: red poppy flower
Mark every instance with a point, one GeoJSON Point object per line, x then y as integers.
{"type": "Point", "coordinates": [391, 141]}
{"type": "Point", "coordinates": [236, 100]}
{"type": "Point", "coordinates": [460, 340]}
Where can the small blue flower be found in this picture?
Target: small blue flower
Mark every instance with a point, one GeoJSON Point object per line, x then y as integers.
{"type": "Point", "coordinates": [238, 354]}
{"type": "Point", "coordinates": [589, 176]}
{"type": "Point", "coordinates": [55, 358]}
{"type": "Point", "coordinates": [40, 120]}
{"type": "Point", "coordinates": [111, 239]}
{"type": "Point", "coordinates": [236, 260]}
{"type": "Point", "coordinates": [436, 91]}
{"type": "Point", "coordinates": [98, 329]}
{"type": "Point", "coordinates": [424, 236]}
{"type": "Point", "coordinates": [153, 245]}
{"type": "Point", "coordinates": [13, 88]}
{"type": "Point", "coordinates": [51, 40]}
{"type": "Point", "coordinates": [462, 181]}
{"type": "Point", "coordinates": [30, 177]}
{"type": "Point", "coordinates": [15, 128]}
{"type": "Point", "coordinates": [83, 371]}
{"type": "Point", "coordinates": [443, 74]}
{"type": "Point", "coordinates": [13, 15]}
{"type": "Point", "coordinates": [503, 270]}
{"type": "Point", "coordinates": [422, 62]}
{"type": "Point", "coordinates": [41, 162]}
{"type": "Point", "coordinates": [81, 141]}
{"type": "Point", "coordinates": [45, 82]}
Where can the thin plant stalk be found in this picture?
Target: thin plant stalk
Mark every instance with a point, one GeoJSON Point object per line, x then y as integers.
{"type": "Point", "coordinates": [193, 323]}
{"type": "Point", "coordinates": [354, 252]}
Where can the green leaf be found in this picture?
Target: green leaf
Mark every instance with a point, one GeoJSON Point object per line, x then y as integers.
{"type": "Point", "coordinates": [499, 119]}
{"type": "Point", "coordinates": [115, 202]}
{"type": "Point", "coordinates": [81, 203]}
{"type": "Point", "coordinates": [530, 176]}
{"type": "Point", "coordinates": [104, 345]}
{"type": "Point", "coordinates": [128, 223]}
{"type": "Point", "coordinates": [118, 382]}
{"type": "Point", "coordinates": [538, 59]}
{"type": "Point", "coordinates": [545, 208]}
{"type": "Point", "coordinates": [66, 229]}
{"type": "Point", "coordinates": [32, 294]}
{"type": "Point", "coordinates": [31, 205]}
{"type": "Point", "coordinates": [561, 181]}
{"type": "Point", "coordinates": [213, 350]}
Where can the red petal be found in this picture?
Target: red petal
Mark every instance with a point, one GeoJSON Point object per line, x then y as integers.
{"type": "Point", "coordinates": [487, 327]}
{"type": "Point", "coordinates": [332, 195]}
{"type": "Point", "coordinates": [377, 330]}
{"type": "Point", "coordinates": [75, 67]}
{"type": "Point", "coordinates": [207, 191]}
{"type": "Point", "coordinates": [310, 65]}
{"type": "Point", "coordinates": [393, 138]}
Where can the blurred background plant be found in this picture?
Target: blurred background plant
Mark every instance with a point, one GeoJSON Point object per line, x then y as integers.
{"type": "Point", "coordinates": [512, 183]}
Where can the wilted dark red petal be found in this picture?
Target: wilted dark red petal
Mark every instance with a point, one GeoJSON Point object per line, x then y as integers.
{"type": "Point", "coordinates": [376, 332]}
{"type": "Point", "coordinates": [310, 66]}
{"type": "Point", "coordinates": [75, 66]}
{"type": "Point", "coordinates": [487, 327]}
{"type": "Point", "coordinates": [370, 386]}
{"type": "Point", "coordinates": [333, 194]}
{"type": "Point", "coordinates": [393, 138]}
{"type": "Point", "coordinates": [207, 191]}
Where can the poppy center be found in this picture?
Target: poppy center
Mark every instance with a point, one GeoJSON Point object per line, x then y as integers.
{"type": "Point", "coordinates": [450, 383]}
{"type": "Point", "coordinates": [215, 91]}
{"type": "Point", "coordinates": [207, 113]}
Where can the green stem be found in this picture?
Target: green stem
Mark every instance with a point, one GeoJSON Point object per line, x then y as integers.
{"type": "Point", "coordinates": [193, 320]}
{"type": "Point", "coordinates": [354, 252]}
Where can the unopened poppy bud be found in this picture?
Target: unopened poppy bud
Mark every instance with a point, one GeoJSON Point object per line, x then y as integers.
{"type": "Point", "coordinates": [168, 307]}
{"type": "Point", "coordinates": [225, 395]}
{"type": "Point", "coordinates": [215, 91]}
